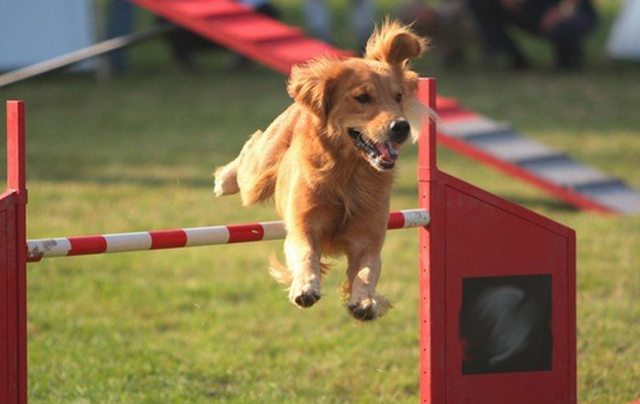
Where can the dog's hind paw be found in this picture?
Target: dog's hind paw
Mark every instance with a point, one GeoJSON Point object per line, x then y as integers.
{"type": "Point", "coordinates": [226, 182]}
{"type": "Point", "coordinates": [369, 309]}
{"type": "Point", "coordinates": [217, 189]}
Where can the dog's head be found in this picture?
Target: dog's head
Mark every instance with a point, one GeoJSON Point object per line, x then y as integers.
{"type": "Point", "coordinates": [366, 105]}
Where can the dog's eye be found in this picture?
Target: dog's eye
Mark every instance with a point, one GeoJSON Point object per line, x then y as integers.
{"type": "Point", "coordinates": [399, 97]}
{"type": "Point", "coordinates": [363, 98]}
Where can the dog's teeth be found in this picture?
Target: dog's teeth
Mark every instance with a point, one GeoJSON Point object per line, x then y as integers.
{"type": "Point", "coordinates": [393, 153]}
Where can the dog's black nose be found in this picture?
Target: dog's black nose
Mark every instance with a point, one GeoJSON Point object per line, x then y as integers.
{"type": "Point", "coordinates": [399, 130]}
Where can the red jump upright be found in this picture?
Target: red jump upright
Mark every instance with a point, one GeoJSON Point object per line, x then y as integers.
{"type": "Point", "coordinates": [497, 283]}
{"type": "Point", "coordinates": [13, 261]}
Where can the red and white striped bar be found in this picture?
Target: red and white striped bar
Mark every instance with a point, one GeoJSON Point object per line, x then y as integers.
{"type": "Point", "coordinates": [191, 237]}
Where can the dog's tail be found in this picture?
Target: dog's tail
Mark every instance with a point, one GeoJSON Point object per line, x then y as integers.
{"type": "Point", "coordinates": [283, 275]}
{"type": "Point", "coordinates": [261, 188]}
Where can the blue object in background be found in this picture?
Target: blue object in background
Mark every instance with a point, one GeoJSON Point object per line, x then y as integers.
{"type": "Point", "coordinates": [32, 31]}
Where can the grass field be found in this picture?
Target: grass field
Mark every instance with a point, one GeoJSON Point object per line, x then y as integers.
{"type": "Point", "coordinates": [209, 325]}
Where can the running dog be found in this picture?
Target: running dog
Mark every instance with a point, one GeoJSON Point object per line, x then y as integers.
{"type": "Point", "coordinates": [328, 161]}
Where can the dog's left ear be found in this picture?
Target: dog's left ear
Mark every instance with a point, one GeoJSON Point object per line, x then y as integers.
{"type": "Point", "coordinates": [394, 43]}
{"type": "Point", "coordinates": [311, 85]}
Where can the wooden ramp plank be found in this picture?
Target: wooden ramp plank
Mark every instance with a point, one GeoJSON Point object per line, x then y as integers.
{"type": "Point", "coordinates": [237, 27]}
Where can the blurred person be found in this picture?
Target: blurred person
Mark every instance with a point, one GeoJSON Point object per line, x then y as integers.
{"type": "Point", "coordinates": [318, 20]}
{"type": "Point", "coordinates": [564, 23]}
{"type": "Point", "coordinates": [120, 19]}
{"type": "Point", "coordinates": [450, 25]}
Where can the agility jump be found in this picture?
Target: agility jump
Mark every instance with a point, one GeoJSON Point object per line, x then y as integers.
{"type": "Point", "coordinates": [475, 249]}
{"type": "Point", "coordinates": [189, 237]}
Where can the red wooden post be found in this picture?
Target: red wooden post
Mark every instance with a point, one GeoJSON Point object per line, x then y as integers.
{"type": "Point", "coordinates": [478, 255]}
{"type": "Point", "coordinates": [432, 319]}
{"type": "Point", "coordinates": [13, 264]}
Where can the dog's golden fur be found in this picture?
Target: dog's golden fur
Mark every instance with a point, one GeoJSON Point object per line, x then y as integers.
{"type": "Point", "coordinates": [328, 163]}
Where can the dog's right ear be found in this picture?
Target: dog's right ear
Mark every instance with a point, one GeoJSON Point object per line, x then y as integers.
{"type": "Point", "coordinates": [394, 43]}
{"type": "Point", "coordinates": [311, 84]}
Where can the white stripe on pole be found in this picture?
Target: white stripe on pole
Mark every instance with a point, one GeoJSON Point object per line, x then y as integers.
{"type": "Point", "coordinates": [274, 230]}
{"type": "Point", "coordinates": [415, 217]}
{"type": "Point", "coordinates": [55, 247]}
{"type": "Point", "coordinates": [122, 242]}
{"type": "Point", "coordinates": [201, 236]}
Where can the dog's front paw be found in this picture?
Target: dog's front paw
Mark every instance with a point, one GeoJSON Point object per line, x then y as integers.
{"type": "Point", "coordinates": [306, 299]}
{"type": "Point", "coordinates": [370, 308]}
{"type": "Point", "coordinates": [304, 296]}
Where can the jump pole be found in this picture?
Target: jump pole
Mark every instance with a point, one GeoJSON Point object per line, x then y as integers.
{"type": "Point", "coordinates": [189, 237]}
{"type": "Point", "coordinates": [469, 240]}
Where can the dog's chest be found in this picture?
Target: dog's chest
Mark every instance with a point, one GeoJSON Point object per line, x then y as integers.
{"type": "Point", "coordinates": [360, 196]}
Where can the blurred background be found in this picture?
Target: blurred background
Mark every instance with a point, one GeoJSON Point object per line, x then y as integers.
{"type": "Point", "coordinates": [129, 142]}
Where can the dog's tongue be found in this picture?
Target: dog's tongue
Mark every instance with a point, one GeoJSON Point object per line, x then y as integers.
{"type": "Point", "coordinates": [387, 152]}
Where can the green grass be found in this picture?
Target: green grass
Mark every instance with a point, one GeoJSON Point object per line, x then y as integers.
{"type": "Point", "coordinates": [209, 325]}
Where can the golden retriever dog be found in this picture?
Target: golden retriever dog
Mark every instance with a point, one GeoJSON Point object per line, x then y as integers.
{"type": "Point", "coordinates": [328, 161]}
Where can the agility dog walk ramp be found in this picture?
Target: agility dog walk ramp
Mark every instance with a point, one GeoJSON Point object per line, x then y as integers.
{"type": "Point", "coordinates": [236, 26]}
{"type": "Point", "coordinates": [279, 46]}
{"type": "Point", "coordinates": [499, 145]}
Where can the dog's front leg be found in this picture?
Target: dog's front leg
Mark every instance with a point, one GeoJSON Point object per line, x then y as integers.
{"type": "Point", "coordinates": [363, 274]}
{"type": "Point", "coordinates": [303, 260]}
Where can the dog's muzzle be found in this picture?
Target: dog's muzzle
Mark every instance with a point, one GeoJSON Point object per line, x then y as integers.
{"type": "Point", "coordinates": [382, 156]}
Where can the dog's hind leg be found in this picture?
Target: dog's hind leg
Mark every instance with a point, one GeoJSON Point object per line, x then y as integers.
{"type": "Point", "coordinates": [226, 177]}
{"type": "Point", "coordinates": [226, 181]}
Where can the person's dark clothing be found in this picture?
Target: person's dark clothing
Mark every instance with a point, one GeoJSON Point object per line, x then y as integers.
{"type": "Point", "coordinates": [493, 19]}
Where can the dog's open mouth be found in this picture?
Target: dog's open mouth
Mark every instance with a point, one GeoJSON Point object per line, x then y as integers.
{"type": "Point", "coordinates": [381, 156]}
